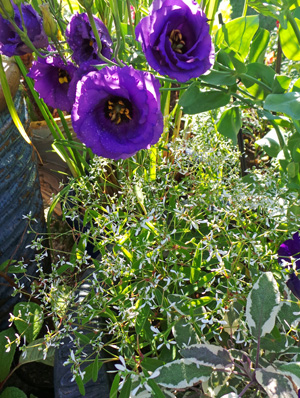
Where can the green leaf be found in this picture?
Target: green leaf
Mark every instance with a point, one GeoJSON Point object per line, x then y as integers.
{"type": "Point", "coordinates": [6, 357]}
{"type": "Point", "coordinates": [271, 344]}
{"type": "Point", "coordinates": [289, 41]}
{"type": "Point", "coordinates": [294, 147]}
{"type": "Point", "coordinates": [114, 387]}
{"type": "Point", "coordinates": [270, 143]}
{"type": "Point", "coordinates": [237, 34]}
{"type": "Point", "coordinates": [35, 353]}
{"type": "Point", "coordinates": [296, 86]}
{"type": "Point", "coordinates": [293, 169]}
{"type": "Point", "coordinates": [220, 78]}
{"type": "Point", "coordinates": [288, 103]}
{"type": "Point", "coordinates": [209, 355]}
{"type": "Point", "coordinates": [263, 304]}
{"type": "Point", "coordinates": [125, 392]}
{"type": "Point", "coordinates": [195, 101]}
{"type": "Point", "coordinates": [13, 392]}
{"type": "Point", "coordinates": [230, 123]}
{"type": "Point", "coordinates": [156, 390]}
{"type": "Point", "coordinates": [181, 373]}
{"type": "Point", "coordinates": [31, 318]}
{"type": "Point", "coordinates": [287, 313]}
{"type": "Point", "coordinates": [263, 74]}
{"type": "Point", "coordinates": [184, 333]}
{"type": "Point", "coordinates": [264, 8]}
{"type": "Point", "coordinates": [80, 385]}
{"type": "Point", "coordinates": [274, 383]}
{"type": "Point", "coordinates": [291, 369]}
{"type": "Point", "coordinates": [259, 46]}
{"type": "Point", "coordinates": [280, 84]}
{"type": "Point", "coordinates": [142, 318]}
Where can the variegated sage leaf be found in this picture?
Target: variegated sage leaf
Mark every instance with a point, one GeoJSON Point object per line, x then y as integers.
{"type": "Point", "coordinates": [181, 373]}
{"type": "Point", "coordinates": [184, 333]}
{"type": "Point", "coordinates": [263, 305]}
{"type": "Point", "coordinates": [209, 355]}
{"type": "Point", "coordinates": [230, 395]}
{"type": "Point", "coordinates": [275, 384]}
{"type": "Point", "coordinates": [291, 369]}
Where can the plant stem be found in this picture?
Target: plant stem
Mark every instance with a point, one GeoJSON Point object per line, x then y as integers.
{"type": "Point", "coordinates": [246, 388]}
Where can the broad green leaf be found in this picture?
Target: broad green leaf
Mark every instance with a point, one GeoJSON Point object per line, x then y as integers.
{"type": "Point", "coordinates": [280, 84]}
{"type": "Point", "coordinates": [35, 353]}
{"type": "Point", "coordinates": [291, 369]}
{"type": "Point", "coordinates": [209, 355]}
{"type": "Point", "coordinates": [230, 123]}
{"type": "Point", "coordinates": [125, 392]}
{"type": "Point", "coordinates": [237, 35]}
{"type": "Point", "coordinates": [288, 103]}
{"type": "Point", "coordinates": [184, 333]}
{"type": "Point", "coordinates": [263, 304]}
{"type": "Point", "coordinates": [296, 86]}
{"type": "Point", "coordinates": [289, 41]}
{"type": "Point", "coordinates": [156, 390]}
{"type": "Point", "coordinates": [181, 373]}
{"type": "Point", "coordinates": [270, 143]}
{"type": "Point", "coordinates": [264, 8]}
{"type": "Point", "coordinates": [195, 101]}
{"type": "Point", "coordinates": [215, 382]}
{"type": "Point", "coordinates": [263, 74]}
{"type": "Point", "coordinates": [114, 387]}
{"type": "Point", "coordinates": [30, 319]}
{"type": "Point", "coordinates": [294, 147]}
{"type": "Point", "coordinates": [142, 318]}
{"type": "Point", "coordinates": [275, 384]}
{"type": "Point", "coordinates": [259, 46]}
{"type": "Point", "coordinates": [13, 392]}
{"type": "Point", "coordinates": [6, 357]}
{"type": "Point", "coordinates": [269, 343]}
{"type": "Point", "coordinates": [293, 169]}
{"type": "Point", "coordinates": [289, 312]}
{"type": "Point", "coordinates": [219, 78]}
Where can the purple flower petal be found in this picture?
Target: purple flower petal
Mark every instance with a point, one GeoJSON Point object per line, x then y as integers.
{"type": "Point", "coordinates": [290, 248]}
{"type": "Point", "coordinates": [175, 39]}
{"type": "Point", "coordinates": [52, 81]}
{"type": "Point", "coordinates": [293, 284]}
{"type": "Point", "coordinates": [11, 43]}
{"type": "Point", "coordinates": [81, 39]}
{"type": "Point", "coordinates": [117, 111]}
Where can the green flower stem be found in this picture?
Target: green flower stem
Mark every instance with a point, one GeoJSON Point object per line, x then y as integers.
{"type": "Point", "coordinates": [12, 109]}
{"type": "Point", "coordinates": [54, 129]}
{"type": "Point", "coordinates": [173, 88]}
{"type": "Point", "coordinates": [292, 21]}
{"type": "Point", "coordinates": [130, 19]}
{"type": "Point", "coordinates": [98, 40]}
{"type": "Point", "coordinates": [116, 17]}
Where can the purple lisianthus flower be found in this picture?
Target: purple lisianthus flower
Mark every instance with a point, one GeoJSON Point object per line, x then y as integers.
{"type": "Point", "coordinates": [117, 111]}
{"type": "Point", "coordinates": [11, 43]}
{"type": "Point", "coordinates": [52, 81]}
{"type": "Point", "coordinates": [175, 39]}
{"type": "Point", "coordinates": [81, 39]}
{"type": "Point", "coordinates": [290, 249]}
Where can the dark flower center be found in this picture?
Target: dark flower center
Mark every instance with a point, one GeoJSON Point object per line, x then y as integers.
{"type": "Point", "coordinates": [63, 76]}
{"type": "Point", "coordinates": [118, 110]}
{"type": "Point", "coordinates": [177, 42]}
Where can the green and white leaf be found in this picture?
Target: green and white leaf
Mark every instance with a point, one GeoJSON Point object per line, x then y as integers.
{"type": "Point", "coordinates": [209, 355]}
{"type": "Point", "coordinates": [29, 319]}
{"type": "Point", "coordinates": [275, 384]}
{"type": "Point", "coordinates": [184, 333]}
{"type": "Point", "coordinates": [291, 369]}
{"type": "Point", "coordinates": [263, 304]}
{"type": "Point", "coordinates": [230, 395]}
{"type": "Point", "coordinates": [181, 373]}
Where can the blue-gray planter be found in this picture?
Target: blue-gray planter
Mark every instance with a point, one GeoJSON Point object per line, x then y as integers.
{"type": "Point", "coordinates": [19, 195]}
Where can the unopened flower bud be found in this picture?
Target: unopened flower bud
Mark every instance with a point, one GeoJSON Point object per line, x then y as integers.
{"type": "Point", "coordinates": [6, 8]}
{"type": "Point", "coordinates": [49, 23]}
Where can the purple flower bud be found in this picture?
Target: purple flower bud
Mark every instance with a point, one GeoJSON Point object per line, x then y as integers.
{"type": "Point", "coordinates": [10, 42]}
{"type": "Point", "coordinates": [52, 81]}
{"type": "Point", "coordinates": [117, 111]}
{"type": "Point", "coordinates": [81, 39]}
{"type": "Point", "coordinates": [175, 39]}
